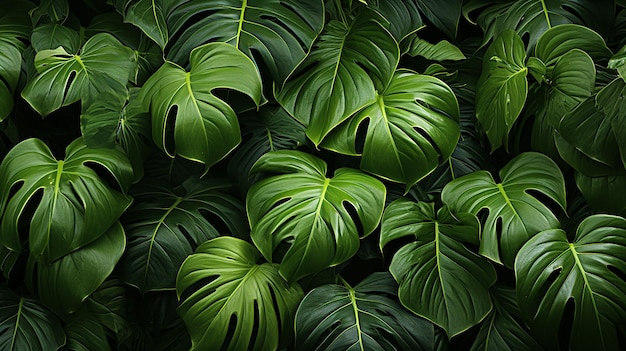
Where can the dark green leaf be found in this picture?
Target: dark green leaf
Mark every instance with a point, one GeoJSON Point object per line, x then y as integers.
{"type": "Point", "coordinates": [366, 317]}
{"type": "Point", "coordinates": [443, 14]}
{"type": "Point", "coordinates": [148, 15]}
{"type": "Point", "coordinates": [440, 278]}
{"type": "Point", "coordinates": [51, 36]}
{"type": "Point", "coordinates": [441, 51]}
{"type": "Point", "coordinates": [551, 272]}
{"type": "Point", "coordinates": [239, 297]}
{"type": "Point", "coordinates": [403, 16]}
{"type": "Point", "coordinates": [558, 40]}
{"type": "Point", "coordinates": [315, 215]}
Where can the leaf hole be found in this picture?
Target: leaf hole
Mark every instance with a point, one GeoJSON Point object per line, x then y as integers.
{"type": "Point", "coordinates": [232, 326]}
{"type": "Point", "coordinates": [361, 134]}
{"type": "Point", "coordinates": [545, 199]}
{"type": "Point", "coordinates": [255, 325]}
{"type": "Point", "coordinates": [31, 206]}
{"type": "Point", "coordinates": [218, 224]}
{"type": "Point", "coordinates": [618, 272]}
{"type": "Point", "coordinates": [278, 203]}
{"type": "Point", "coordinates": [424, 134]}
{"type": "Point", "coordinates": [187, 236]}
{"type": "Point", "coordinates": [275, 305]}
{"type": "Point", "coordinates": [354, 215]}
{"type": "Point", "coordinates": [525, 39]}
{"type": "Point", "coordinates": [105, 175]}
{"type": "Point", "coordinates": [69, 81]}
{"type": "Point", "coordinates": [567, 321]}
{"type": "Point", "coordinates": [197, 286]}
{"type": "Point", "coordinates": [168, 133]}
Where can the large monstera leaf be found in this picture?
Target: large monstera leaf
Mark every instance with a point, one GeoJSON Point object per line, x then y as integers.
{"type": "Point", "coordinates": [279, 32]}
{"type": "Point", "coordinates": [440, 278]}
{"type": "Point", "coordinates": [64, 284]}
{"type": "Point", "coordinates": [411, 128]}
{"type": "Point", "coordinates": [514, 213]}
{"type": "Point", "coordinates": [26, 325]}
{"type": "Point", "coordinates": [584, 277]}
{"type": "Point", "coordinates": [103, 65]}
{"type": "Point", "coordinates": [205, 128]}
{"type": "Point", "coordinates": [241, 300]}
{"type": "Point", "coordinates": [72, 205]}
{"type": "Point", "coordinates": [316, 216]}
{"type": "Point", "coordinates": [341, 75]}
{"type": "Point", "coordinates": [502, 88]}
{"type": "Point", "coordinates": [366, 317]}
{"type": "Point", "coordinates": [166, 224]}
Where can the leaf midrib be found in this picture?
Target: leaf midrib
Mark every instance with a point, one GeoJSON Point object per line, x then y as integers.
{"type": "Point", "coordinates": [587, 287]}
{"type": "Point", "coordinates": [17, 322]}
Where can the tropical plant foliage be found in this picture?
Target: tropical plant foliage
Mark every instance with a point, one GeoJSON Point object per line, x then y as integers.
{"type": "Point", "coordinates": [312, 175]}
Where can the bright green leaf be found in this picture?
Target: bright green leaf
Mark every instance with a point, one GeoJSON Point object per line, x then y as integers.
{"type": "Point", "coordinates": [240, 297]}
{"type": "Point", "coordinates": [51, 36]}
{"type": "Point", "coordinates": [315, 215]}
{"type": "Point", "coordinates": [551, 271]}
{"type": "Point", "coordinates": [205, 128]}
{"type": "Point", "coordinates": [441, 51]}
{"type": "Point", "coordinates": [514, 214]}
{"type": "Point", "coordinates": [558, 40]}
{"type": "Point", "coordinates": [440, 278]}
{"type": "Point", "coordinates": [366, 317]}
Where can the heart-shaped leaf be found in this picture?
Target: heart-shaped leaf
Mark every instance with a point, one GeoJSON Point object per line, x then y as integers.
{"type": "Point", "coordinates": [167, 224]}
{"type": "Point", "coordinates": [584, 277]}
{"type": "Point", "coordinates": [318, 217]}
{"type": "Point", "coordinates": [63, 284]}
{"type": "Point", "coordinates": [340, 76]}
{"type": "Point", "coordinates": [502, 330]}
{"type": "Point", "coordinates": [559, 40]}
{"type": "Point", "coordinates": [366, 317]}
{"type": "Point", "coordinates": [205, 128]}
{"type": "Point", "coordinates": [26, 325]}
{"type": "Point", "coordinates": [502, 87]}
{"type": "Point", "coordinates": [239, 298]}
{"type": "Point", "coordinates": [514, 213]}
{"type": "Point", "coordinates": [73, 205]}
{"type": "Point", "coordinates": [280, 32]}
{"type": "Point", "coordinates": [103, 65]}
{"type": "Point", "coordinates": [411, 128]}
{"type": "Point", "coordinates": [440, 278]}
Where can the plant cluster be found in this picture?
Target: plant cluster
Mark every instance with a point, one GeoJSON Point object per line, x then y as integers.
{"type": "Point", "coordinates": [313, 175]}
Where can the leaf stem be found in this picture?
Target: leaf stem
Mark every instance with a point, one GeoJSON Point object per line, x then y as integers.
{"type": "Point", "coordinates": [545, 13]}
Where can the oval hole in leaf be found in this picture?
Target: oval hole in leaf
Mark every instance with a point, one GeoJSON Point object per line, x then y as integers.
{"type": "Point", "coordinates": [355, 217]}
{"type": "Point", "coordinates": [23, 223]}
{"type": "Point", "coordinates": [198, 285]}
{"type": "Point", "coordinates": [499, 235]}
{"type": "Point", "coordinates": [621, 274]}
{"type": "Point", "coordinates": [216, 221]}
{"type": "Point", "coordinates": [361, 133]}
{"type": "Point", "coordinates": [546, 200]}
{"type": "Point", "coordinates": [170, 123]}
{"type": "Point", "coordinates": [567, 321]}
{"type": "Point", "coordinates": [104, 175]}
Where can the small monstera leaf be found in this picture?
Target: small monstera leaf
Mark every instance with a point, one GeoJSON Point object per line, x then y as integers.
{"type": "Point", "coordinates": [66, 282]}
{"type": "Point", "coordinates": [502, 329]}
{"type": "Point", "coordinates": [73, 205]}
{"type": "Point", "coordinates": [440, 278]}
{"type": "Point", "coordinates": [366, 317]}
{"type": "Point", "coordinates": [280, 32]}
{"type": "Point", "coordinates": [411, 128]}
{"type": "Point", "coordinates": [103, 65]}
{"type": "Point", "coordinates": [340, 76]}
{"type": "Point", "coordinates": [241, 298]}
{"type": "Point", "coordinates": [166, 224]}
{"type": "Point", "coordinates": [316, 216]}
{"type": "Point", "coordinates": [147, 15]}
{"type": "Point", "coordinates": [555, 275]}
{"type": "Point", "coordinates": [26, 325]}
{"type": "Point", "coordinates": [502, 88]}
{"type": "Point", "coordinates": [514, 213]}
{"type": "Point", "coordinates": [205, 128]}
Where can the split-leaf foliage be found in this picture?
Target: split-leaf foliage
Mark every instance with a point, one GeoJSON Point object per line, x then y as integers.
{"type": "Point", "coordinates": [312, 175]}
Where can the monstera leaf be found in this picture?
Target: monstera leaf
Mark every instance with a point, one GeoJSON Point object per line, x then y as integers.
{"type": "Point", "coordinates": [514, 213]}
{"type": "Point", "coordinates": [148, 15]}
{"type": "Point", "coordinates": [502, 330]}
{"type": "Point", "coordinates": [559, 40]}
{"type": "Point", "coordinates": [241, 300]}
{"type": "Point", "coordinates": [440, 279]}
{"type": "Point", "coordinates": [318, 217]}
{"type": "Point", "coordinates": [51, 36]}
{"type": "Point", "coordinates": [502, 87]}
{"type": "Point", "coordinates": [555, 275]}
{"type": "Point", "coordinates": [14, 27]}
{"type": "Point", "coordinates": [410, 127]}
{"type": "Point", "coordinates": [103, 65]}
{"type": "Point", "coordinates": [280, 32]}
{"type": "Point", "coordinates": [366, 317]}
{"type": "Point", "coordinates": [205, 128]}
{"type": "Point", "coordinates": [63, 284]}
{"type": "Point", "coordinates": [167, 224]}
{"type": "Point", "coordinates": [73, 205]}
{"type": "Point", "coordinates": [26, 325]}
{"type": "Point", "coordinates": [340, 76]}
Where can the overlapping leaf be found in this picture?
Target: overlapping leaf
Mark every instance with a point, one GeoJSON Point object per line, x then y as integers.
{"type": "Point", "coordinates": [514, 213]}
{"type": "Point", "coordinates": [241, 300]}
{"type": "Point", "coordinates": [26, 325]}
{"type": "Point", "coordinates": [502, 88]}
{"type": "Point", "coordinates": [554, 275]}
{"type": "Point", "coordinates": [63, 285]}
{"type": "Point", "coordinates": [205, 128]}
{"type": "Point", "coordinates": [148, 15]}
{"type": "Point", "coordinates": [366, 317]}
{"type": "Point", "coordinates": [103, 65]}
{"type": "Point", "coordinates": [316, 216]}
{"type": "Point", "coordinates": [167, 224]}
{"type": "Point", "coordinates": [340, 76]}
{"type": "Point", "coordinates": [76, 205]}
{"type": "Point", "coordinates": [411, 128]}
{"type": "Point", "coordinates": [279, 32]}
{"type": "Point", "coordinates": [440, 278]}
